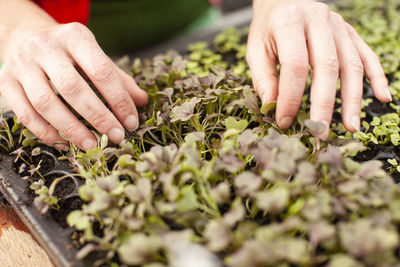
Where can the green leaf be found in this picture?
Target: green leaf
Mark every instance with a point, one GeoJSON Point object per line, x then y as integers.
{"type": "Point", "coordinates": [103, 141]}
{"type": "Point", "coordinates": [188, 200]}
{"type": "Point", "coordinates": [138, 249]}
{"type": "Point", "coordinates": [251, 101]}
{"type": "Point", "coordinates": [185, 111]}
{"type": "Point", "coordinates": [78, 220]}
{"type": "Point", "coordinates": [316, 128]}
{"type": "Point", "coordinates": [274, 200]}
{"type": "Point", "coordinates": [16, 126]}
{"type": "Point", "coordinates": [267, 108]}
{"type": "Point", "coordinates": [393, 162]}
{"type": "Point", "coordinates": [232, 123]}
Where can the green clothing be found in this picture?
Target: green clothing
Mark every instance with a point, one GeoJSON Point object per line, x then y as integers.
{"type": "Point", "coordinates": [121, 26]}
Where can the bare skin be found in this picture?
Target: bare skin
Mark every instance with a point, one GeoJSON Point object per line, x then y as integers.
{"type": "Point", "coordinates": [36, 49]}
{"type": "Point", "coordinates": [302, 33]}
{"type": "Point", "coordinates": [295, 33]}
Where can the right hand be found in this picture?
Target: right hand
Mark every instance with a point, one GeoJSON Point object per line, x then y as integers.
{"type": "Point", "coordinates": [298, 34]}
{"type": "Point", "coordinates": [34, 58]}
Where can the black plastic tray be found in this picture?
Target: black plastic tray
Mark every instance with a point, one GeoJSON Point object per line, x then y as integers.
{"type": "Point", "coordinates": [55, 239]}
{"type": "Point", "coordinates": [50, 234]}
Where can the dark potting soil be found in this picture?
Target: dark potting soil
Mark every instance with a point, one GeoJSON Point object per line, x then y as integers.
{"type": "Point", "coordinates": [29, 196]}
{"type": "Point", "coordinates": [368, 154]}
{"type": "Point", "coordinates": [64, 187]}
{"type": "Point", "coordinates": [46, 165]}
{"type": "Point", "coordinates": [377, 108]}
{"type": "Point", "coordinates": [382, 153]}
{"type": "Point", "coordinates": [230, 58]}
{"type": "Point", "coordinates": [66, 206]}
{"type": "Point", "coordinates": [367, 90]}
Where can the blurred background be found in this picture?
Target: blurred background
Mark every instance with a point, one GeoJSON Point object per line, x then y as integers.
{"type": "Point", "coordinates": [125, 26]}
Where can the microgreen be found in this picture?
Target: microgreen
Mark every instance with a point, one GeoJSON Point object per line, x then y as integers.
{"type": "Point", "coordinates": [209, 177]}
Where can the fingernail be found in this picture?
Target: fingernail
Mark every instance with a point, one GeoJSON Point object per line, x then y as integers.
{"type": "Point", "coordinates": [388, 94]}
{"type": "Point", "coordinates": [88, 144]}
{"type": "Point", "coordinates": [355, 122]}
{"type": "Point", "coordinates": [131, 123]}
{"type": "Point", "coordinates": [285, 122]}
{"type": "Point", "coordinates": [116, 135]}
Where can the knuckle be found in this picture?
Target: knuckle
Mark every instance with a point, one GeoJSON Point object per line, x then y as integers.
{"type": "Point", "coordinates": [324, 104]}
{"type": "Point", "coordinates": [330, 63]}
{"type": "Point", "coordinates": [76, 30]}
{"type": "Point", "coordinates": [378, 77]}
{"type": "Point", "coordinates": [298, 65]}
{"type": "Point", "coordinates": [258, 80]}
{"type": "Point", "coordinates": [336, 17]}
{"type": "Point", "coordinates": [322, 9]}
{"type": "Point", "coordinates": [351, 30]}
{"type": "Point", "coordinates": [289, 11]}
{"type": "Point", "coordinates": [69, 84]}
{"type": "Point", "coordinates": [354, 100]}
{"type": "Point", "coordinates": [291, 100]}
{"type": "Point", "coordinates": [286, 16]}
{"type": "Point", "coordinates": [356, 65]}
{"type": "Point", "coordinates": [70, 130]}
{"type": "Point", "coordinates": [121, 103]}
{"type": "Point", "coordinates": [102, 71]}
{"type": "Point", "coordinates": [21, 55]}
{"type": "Point", "coordinates": [43, 133]}
{"type": "Point", "coordinates": [375, 58]}
{"type": "Point", "coordinates": [39, 38]}
{"type": "Point", "coordinates": [99, 120]}
{"type": "Point", "coordinates": [24, 117]}
{"type": "Point", "coordinates": [74, 27]}
{"type": "Point", "coordinates": [41, 101]}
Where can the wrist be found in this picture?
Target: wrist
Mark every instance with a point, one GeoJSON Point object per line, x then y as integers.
{"type": "Point", "coordinates": [30, 19]}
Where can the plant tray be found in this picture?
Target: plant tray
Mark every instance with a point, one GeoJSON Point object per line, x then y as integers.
{"type": "Point", "coordinates": [50, 230]}
{"type": "Point", "coordinates": [51, 235]}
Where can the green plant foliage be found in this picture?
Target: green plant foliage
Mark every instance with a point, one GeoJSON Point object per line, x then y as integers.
{"type": "Point", "coordinates": [209, 177]}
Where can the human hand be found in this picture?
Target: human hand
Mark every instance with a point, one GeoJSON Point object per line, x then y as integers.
{"type": "Point", "coordinates": [302, 33]}
{"type": "Point", "coordinates": [56, 53]}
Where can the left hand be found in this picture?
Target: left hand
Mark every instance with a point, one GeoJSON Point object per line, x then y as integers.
{"type": "Point", "coordinates": [302, 33]}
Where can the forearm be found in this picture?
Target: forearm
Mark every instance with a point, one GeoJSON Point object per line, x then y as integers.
{"type": "Point", "coordinates": [18, 17]}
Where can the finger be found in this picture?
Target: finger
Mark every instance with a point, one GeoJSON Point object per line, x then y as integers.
{"type": "Point", "coordinates": [373, 67]}
{"type": "Point", "coordinates": [102, 72]}
{"type": "Point", "coordinates": [138, 95]}
{"type": "Point", "coordinates": [49, 106]}
{"type": "Point", "coordinates": [325, 64]}
{"type": "Point", "coordinates": [351, 74]}
{"type": "Point", "coordinates": [293, 57]}
{"type": "Point", "coordinates": [263, 68]}
{"type": "Point", "coordinates": [73, 88]}
{"type": "Point", "coordinates": [28, 116]}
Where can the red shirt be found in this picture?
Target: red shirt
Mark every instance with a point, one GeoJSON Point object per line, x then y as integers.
{"type": "Point", "coordinates": [65, 11]}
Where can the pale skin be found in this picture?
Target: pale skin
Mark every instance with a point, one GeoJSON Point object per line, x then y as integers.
{"type": "Point", "coordinates": [297, 34]}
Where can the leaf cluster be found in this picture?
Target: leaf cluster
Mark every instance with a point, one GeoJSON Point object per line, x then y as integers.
{"type": "Point", "coordinates": [208, 177]}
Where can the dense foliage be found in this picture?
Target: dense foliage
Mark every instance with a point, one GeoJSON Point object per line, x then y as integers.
{"type": "Point", "coordinates": [209, 179]}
